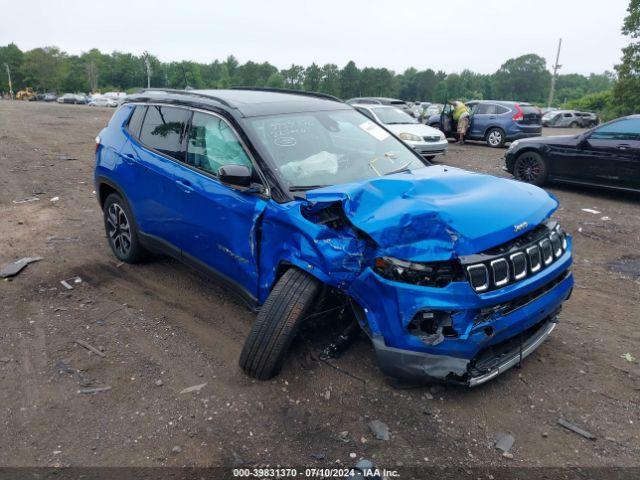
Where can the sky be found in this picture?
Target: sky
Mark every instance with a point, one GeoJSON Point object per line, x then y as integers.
{"type": "Point", "coordinates": [479, 35]}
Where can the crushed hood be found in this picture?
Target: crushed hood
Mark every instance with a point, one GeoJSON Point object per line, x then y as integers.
{"type": "Point", "coordinates": [437, 212]}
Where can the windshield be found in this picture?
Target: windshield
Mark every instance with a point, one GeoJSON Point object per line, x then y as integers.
{"type": "Point", "coordinates": [314, 149]}
{"type": "Point", "coordinates": [392, 115]}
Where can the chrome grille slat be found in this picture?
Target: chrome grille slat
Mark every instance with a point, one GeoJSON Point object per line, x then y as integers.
{"type": "Point", "coordinates": [500, 271]}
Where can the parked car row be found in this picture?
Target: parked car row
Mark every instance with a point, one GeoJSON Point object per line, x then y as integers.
{"type": "Point", "coordinates": [570, 118]}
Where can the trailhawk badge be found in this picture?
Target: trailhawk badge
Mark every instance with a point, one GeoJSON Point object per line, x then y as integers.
{"type": "Point", "coordinates": [520, 226]}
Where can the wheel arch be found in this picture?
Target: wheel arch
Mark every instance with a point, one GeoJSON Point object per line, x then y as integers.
{"type": "Point", "coordinates": [105, 187]}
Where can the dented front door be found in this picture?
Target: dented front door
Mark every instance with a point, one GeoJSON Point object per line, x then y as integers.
{"type": "Point", "coordinates": [217, 222]}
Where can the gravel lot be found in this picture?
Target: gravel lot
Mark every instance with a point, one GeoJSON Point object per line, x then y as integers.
{"type": "Point", "coordinates": [163, 328]}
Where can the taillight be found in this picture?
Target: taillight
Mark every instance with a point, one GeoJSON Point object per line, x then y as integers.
{"type": "Point", "coordinates": [519, 113]}
{"type": "Point", "coordinates": [97, 143]}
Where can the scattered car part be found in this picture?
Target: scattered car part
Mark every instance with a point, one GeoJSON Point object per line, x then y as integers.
{"type": "Point", "coordinates": [13, 268]}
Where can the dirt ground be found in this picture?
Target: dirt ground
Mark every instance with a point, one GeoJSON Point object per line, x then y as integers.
{"type": "Point", "coordinates": [163, 328]}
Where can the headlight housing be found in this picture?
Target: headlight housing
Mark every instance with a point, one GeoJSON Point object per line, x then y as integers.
{"type": "Point", "coordinates": [410, 137]}
{"type": "Point", "coordinates": [432, 274]}
{"type": "Point", "coordinates": [514, 144]}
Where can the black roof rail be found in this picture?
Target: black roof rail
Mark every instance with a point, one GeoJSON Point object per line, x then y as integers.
{"type": "Point", "coordinates": [187, 92]}
{"type": "Point", "coordinates": [292, 91]}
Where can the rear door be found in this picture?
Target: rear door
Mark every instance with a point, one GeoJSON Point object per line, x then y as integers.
{"type": "Point", "coordinates": [611, 154]}
{"type": "Point", "coordinates": [154, 154]}
{"type": "Point", "coordinates": [482, 114]}
{"type": "Point", "coordinates": [217, 223]}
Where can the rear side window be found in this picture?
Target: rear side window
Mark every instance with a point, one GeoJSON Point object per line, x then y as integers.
{"type": "Point", "coordinates": [500, 110]}
{"type": "Point", "coordinates": [212, 144]}
{"type": "Point", "coordinates": [135, 121]}
{"type": "Point", "coordinates": [163, 129]}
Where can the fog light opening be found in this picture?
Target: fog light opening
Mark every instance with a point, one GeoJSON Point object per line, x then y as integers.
{"type": "Point", "coordinates": [432, 326]}
{"type": "Point", "coordinates": [488, 331]}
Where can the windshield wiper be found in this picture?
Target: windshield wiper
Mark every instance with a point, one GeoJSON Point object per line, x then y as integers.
{"type": "Point", "coordinates": [403, 168]}
{"type": "Point", "coordinates": [304, 188]}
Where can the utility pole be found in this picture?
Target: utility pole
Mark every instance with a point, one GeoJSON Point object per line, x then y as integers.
{"type": "Point", "coordinates": [147, 65]}
{"type": "Point", "coordinates": [9, 75]}
{"type": "Point", "coordinates": [556, 67]}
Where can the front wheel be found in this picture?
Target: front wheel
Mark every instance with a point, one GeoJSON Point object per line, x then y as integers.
{"type": "Point", "coordinates": [530, 167]}
{"type": "Point", "coordinates": [574, 125]}
{"type": "Point", "coordinates": [277, 324]}
{"type": "Point", "coordinates": [495, 138]}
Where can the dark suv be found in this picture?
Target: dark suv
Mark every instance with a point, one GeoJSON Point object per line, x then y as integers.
{"type": "Point", "coordinates": [493, 121]}
{"type": "Point", "coordinates": [295, 200]}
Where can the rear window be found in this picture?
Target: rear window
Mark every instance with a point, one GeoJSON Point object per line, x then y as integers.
{"type": "Point", "coordinates": [528, 109]}
{"type": "Point", "coordinates": [163, 130]}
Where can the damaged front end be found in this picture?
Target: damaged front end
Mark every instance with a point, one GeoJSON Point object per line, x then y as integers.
{"type": "Point", "coordinates": [450, 281]}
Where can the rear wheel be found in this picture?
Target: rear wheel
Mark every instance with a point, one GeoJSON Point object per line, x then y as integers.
{"type": "Point", "coordinates": [495, 138]}
{"type": "Point", "coordinates": [574, 125]}
{"type": "Point", "coordinates": [122, 233]}
{"type": "Point", "coordinates": [530, 167]}
{"type": "Point", "coordinates": [277, 324]}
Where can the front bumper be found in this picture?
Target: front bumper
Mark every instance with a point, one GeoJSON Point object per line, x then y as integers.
{"type": "Point", "coordinates": [520, 317]}
{"type": "Point", "coordinates": [430, 148]}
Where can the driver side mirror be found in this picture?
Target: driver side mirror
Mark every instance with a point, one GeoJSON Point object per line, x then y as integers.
{"type": "Point", "coordinates": [235, 175]}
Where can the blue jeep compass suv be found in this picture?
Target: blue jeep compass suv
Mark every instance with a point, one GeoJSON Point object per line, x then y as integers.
{"type": "Point", "coordinates": [290, 198]}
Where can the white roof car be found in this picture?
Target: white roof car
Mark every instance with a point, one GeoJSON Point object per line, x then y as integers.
{"type": "Point", "coordinates": [427, 141]}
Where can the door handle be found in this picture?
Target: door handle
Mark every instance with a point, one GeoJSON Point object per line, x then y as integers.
{"type": "Point", "coordinates": [624, 146]}
{"type": "Point", "coordinates": [129, 158]}
{"type": "Point", "coordinates": [185, 186]}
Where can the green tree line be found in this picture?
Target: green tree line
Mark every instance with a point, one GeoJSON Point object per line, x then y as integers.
{"type": "Point", "coordinates": [525, 78]}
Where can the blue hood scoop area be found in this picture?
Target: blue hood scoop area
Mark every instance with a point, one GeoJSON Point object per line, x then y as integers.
{"type": "Point", "coordinates": [437, 212]}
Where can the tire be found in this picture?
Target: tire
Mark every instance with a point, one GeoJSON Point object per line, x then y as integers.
{"type": "Point", "coordinates": [530, 167]}
{"type": "Point", "coordinates": [280, 317]}
{"type": "Point", "coordinates": [121, 230]}
{"type": "Point", "coordinates": [495, 138]}
{"type": "Point", "coordinates": [574, 125]}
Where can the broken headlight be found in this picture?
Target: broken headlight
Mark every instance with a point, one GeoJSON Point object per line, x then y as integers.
{"type": "Point", "coordinates": [432, 274]}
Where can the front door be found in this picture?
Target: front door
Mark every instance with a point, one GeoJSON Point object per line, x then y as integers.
{"type": "Point", "coordinates": [611, 154]}
{"type": "Point", "coordinates": [217, 223]}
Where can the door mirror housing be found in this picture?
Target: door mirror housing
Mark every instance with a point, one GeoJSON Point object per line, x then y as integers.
{"type": "Point", "coordinates": [235, 175]}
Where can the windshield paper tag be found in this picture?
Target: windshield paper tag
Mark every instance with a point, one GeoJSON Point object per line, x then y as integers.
{"type": "Point", "coordinates": [374, 130]}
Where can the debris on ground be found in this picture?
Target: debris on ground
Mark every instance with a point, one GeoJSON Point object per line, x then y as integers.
{"type": "Point", "coordinates": [13, 268]}
{"type": "Point", "coordinates": [344, 436]}
{"type": "Point", "coordinates": [88, 391]}
{"type": "Point", "coordinates": [159, 383]}
{"type": "Point", "coordinates": [90, 347]}
{"type": "Point", "coordinates": [318, 456]}
{"type": "Point", "coordinates": [194, 388]}
{"type": "Point", "coordinates": [504, 442]}
{"type": "Point", "coordinates": [628, 357]}
{"type": "Point", "coordinates": [576, 429]}
{"type": "Point", "coordinates": [591, 210]}
{"type": "Point", "coordinates": [176, 449]}
{"type": "Point", "coordinates": [55, 199]}
{"type": "Point", "coordinates": [627, 265]}
{"type": "Point", "coordinates": [67, 283]}
{"type": "Point", "coordinates": [5, 359]}
{"type": "Point", "coordinates": [379, 429]}
{"type": "Point", "coordinates": [26, 200]}
{"type": "Point", "coordinates": [605, 218]}
{"type": "Point", "coordinates": [66, 157]}
{"type": "Point", "coordinates": [508, 455]}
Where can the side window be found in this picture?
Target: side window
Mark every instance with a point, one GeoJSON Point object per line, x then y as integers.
{"type": "Point", "coordinates": [163, 130]}
{"type": "Point", "coordinates": [628, 129]}
{"type": "Point", "coordinates": [366, 113]}
{"type": "Point", "coordinates": [500, 110]}
{"type": "Point", "coordinates": [135, 120]}
{"type": "Point", "coordinates": [212, 144]}
{"type": "Point", "coordinates": [568, 115]}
